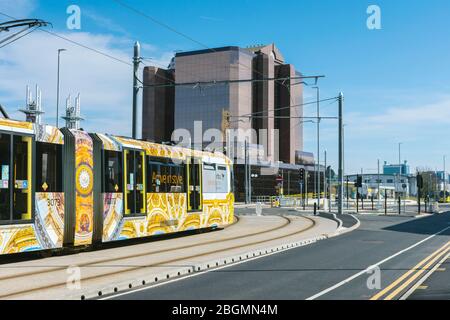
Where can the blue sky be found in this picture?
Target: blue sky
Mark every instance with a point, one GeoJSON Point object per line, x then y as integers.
{"type": "Point", "coordinates": [395, 80]}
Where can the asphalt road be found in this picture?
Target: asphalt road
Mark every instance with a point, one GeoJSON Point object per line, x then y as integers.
{"type": "Point", "coordinates": [435, 287]}
{"type": "Point", "coordinates": [335, 268]}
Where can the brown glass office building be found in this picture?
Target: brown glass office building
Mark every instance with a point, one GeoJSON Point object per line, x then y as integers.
{"type": "Point", "coordinates": [276, 104]}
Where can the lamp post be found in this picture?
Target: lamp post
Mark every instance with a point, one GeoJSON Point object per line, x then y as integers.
{"type": "Point", "coordinates": [57, 86]}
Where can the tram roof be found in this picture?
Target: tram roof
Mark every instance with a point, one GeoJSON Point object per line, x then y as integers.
{"type": "Point", "coordinates": [51, 134]}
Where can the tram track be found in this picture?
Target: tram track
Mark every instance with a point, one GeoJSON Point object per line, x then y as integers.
{"type": "Point", "coordinates": [141, 254]}
{"type": "Point", "coordinates": [165, 263]}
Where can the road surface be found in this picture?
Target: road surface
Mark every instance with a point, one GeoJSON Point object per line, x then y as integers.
{"type": "Point", "coordinates": [345, 267]}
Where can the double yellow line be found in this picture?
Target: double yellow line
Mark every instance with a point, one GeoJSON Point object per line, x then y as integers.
{"type": "Point", "coordinates": [396, 287]}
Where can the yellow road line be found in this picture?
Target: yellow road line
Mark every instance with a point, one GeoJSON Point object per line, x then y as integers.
{"type": "Point", "coordinates": [422, 287]}
{"type": "Point", "coordinates": [404, 276]}
{"type": "Point", "coordinates": [416, 275]}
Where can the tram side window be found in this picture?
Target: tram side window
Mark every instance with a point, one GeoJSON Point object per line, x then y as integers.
{"type": "Point", "coordinates": [5, 157]}
{"type": "Point", "coordinates": [21, 178]}
{"type": "Point", "coordinates": [165, 176]}
{"type": "Point", "coordinates": [215, 178]}
{"type": "Point", "coordinates": [221, 179]}
{"type": "Point", "coordinates": [49, 175]}
{"type": "Point", "coordinates": [113, 172]}
{"type": "Point", "coordinates": [209, 178]}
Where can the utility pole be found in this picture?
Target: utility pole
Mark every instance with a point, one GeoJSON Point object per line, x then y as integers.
{"type": "Point", "coordinates": [318, 149]}
{"type": "Point", "coordinates": [57, 87]}
{"type": "Point", "coordinates": [325, 185]}
{"type": "Point", "coordinates": [341, 156]}
{"type": "Point", "coordinates": [246, 171]}
{"type": "Point", "coordinates": [362, 189]}
{"type": "Point", "coordinates": [306, 185]}
{"type": "Point", "coordinates": [249, 175]}
{"type": "Point", "coordinates": [445, 183]}
{"type": "Point", "coordinates": [347, 191]}
{"type": "Point", "coordinates": [136, 62]}
{"type": "Point", "coordinates": [329, 193]}
{"type": "Point", "coordinates": [379, 183]}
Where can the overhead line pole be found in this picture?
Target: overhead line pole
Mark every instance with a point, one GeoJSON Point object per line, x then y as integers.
{"type": "Point", "coordinates": [341, 155]}
{"type": "Point", "coordinates": [136, 62]}
{"type": "Point", "coordinates": [317, 180]}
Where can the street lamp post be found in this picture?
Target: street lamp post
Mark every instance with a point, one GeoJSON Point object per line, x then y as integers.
{"type": "Point", "coordinates": [57, 86]}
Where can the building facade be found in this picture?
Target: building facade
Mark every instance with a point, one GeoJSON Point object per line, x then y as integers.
{"type": "Point", "coordinates": [402, 168]}
{"type": "Point", "coordinates": [243, 91]}
{"type": "Point", "coordinates": [158, 104]}
{"type": "Point", "coordinates": [404, 185]}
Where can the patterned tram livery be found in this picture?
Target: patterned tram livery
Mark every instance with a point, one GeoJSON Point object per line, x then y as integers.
{"type": "Point", "coordinates": [69, 188]}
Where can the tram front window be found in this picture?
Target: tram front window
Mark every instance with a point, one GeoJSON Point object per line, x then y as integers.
{"type": "Point", "coordinates": [5, 158]}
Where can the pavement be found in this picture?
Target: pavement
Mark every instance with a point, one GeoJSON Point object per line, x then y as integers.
{"type": "Point", "coordinates": [102, 272]}
{"type": "Point", "coordinates": [382, 259]}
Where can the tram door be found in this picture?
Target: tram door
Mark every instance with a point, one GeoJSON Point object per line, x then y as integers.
{"type": "Point", "coordinates": [15, 179]}
{"type": "Point", "coordinates": [134, 173]}
{"type": "Point", "coordinates": [194, 185]}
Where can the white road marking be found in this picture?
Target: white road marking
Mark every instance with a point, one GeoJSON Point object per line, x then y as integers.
{"type": "Point", "coordinates": [321, 293]}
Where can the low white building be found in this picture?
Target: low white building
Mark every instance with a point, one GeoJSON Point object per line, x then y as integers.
{"type": "Point", "coordinates": [404, 185]}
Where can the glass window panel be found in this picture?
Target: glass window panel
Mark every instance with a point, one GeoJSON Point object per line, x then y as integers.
{"type": "Point", "coordinates": [21, 178]}
{"type": "Point", "coordinates": [48, 167]}
{"type": "Point", "coordinates": [113, 174]}
{"type": "Point", "coordinates": [209, 178]}
{"type": "Point", "coordinates": [5, 186]}
{"type": "Point", "coordinates": [164, 176]}
{"type": "Point", "coordinates": [221, 179]}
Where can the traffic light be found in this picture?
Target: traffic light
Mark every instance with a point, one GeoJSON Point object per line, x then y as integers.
{"type": "Point", "coordinates": [419, 181]}
{"type": "Point", "coordinates": [358, 183]}
{"type": "Point", "coordinates": [302, 174]}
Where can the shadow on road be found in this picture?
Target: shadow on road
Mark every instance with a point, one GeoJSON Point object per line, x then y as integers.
{"type": "Point", "coordinates": [427, 226]}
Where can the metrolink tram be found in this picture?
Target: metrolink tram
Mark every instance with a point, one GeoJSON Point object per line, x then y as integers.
{"type": "Point", "coordinates": [68, 188]}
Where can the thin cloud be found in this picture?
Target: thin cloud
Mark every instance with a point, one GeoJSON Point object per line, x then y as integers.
{"type": "Point", "coordinates": [21, 9]}
{"type": "Point", "coordinates": [104, 22]}
{"type": "Point", "coordinates": [105, 85]}
{"type": "Point", "coordinates": [211, 19]}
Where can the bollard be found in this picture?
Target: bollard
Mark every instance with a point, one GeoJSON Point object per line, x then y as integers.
{"type": "Point", "coordinates": [315, 208]}
{"type": "Point", "coordinates": [385, 202]}
{"type": "Point", "coordinates": [258, 209]}
{"type": "Point", "coordinates": [399, 205]}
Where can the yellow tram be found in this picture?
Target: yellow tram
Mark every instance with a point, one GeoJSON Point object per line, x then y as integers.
{"type": "Point", "coordinates": [69, 188]}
